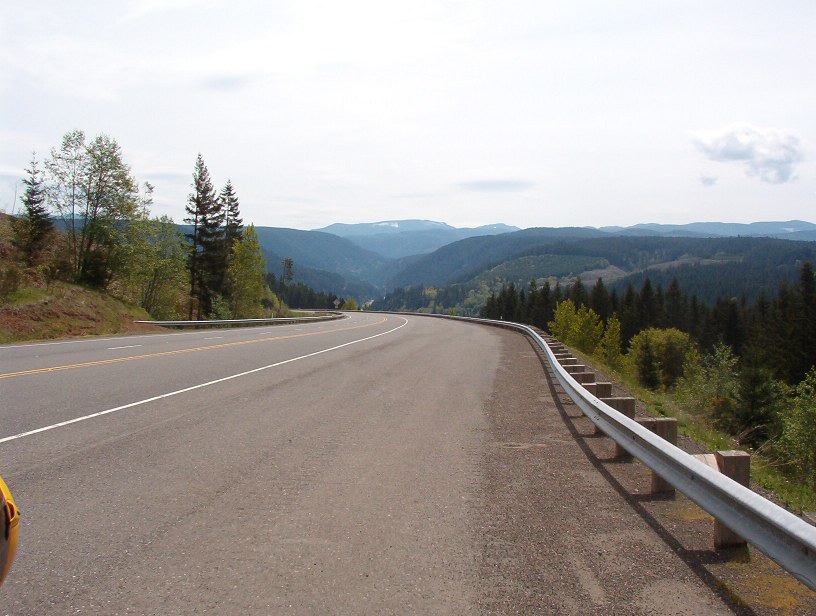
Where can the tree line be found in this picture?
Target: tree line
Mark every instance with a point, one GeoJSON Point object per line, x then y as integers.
{"type": "Point", "coordinates": [748, 368]}
{"type": "Point", "coordinates": [85, 219]}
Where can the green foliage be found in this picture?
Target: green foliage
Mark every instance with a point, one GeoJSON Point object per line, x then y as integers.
{"type": "Point", "coordinates": [94, 192]}
{"type": "Point", "coordinates": [246, 277]}
{"type": "Point", "coordinates": [33, 229]}
{"type": "Point", "coordinates": [581, 328]}
{"type": "Point", "coordinates": [155, 273]}
{"type": "Point", "coordinates": [710, 384]}
{"type": "Point", "coordinates": [220, 308]}
{"type": "Point", "coordinates": [798, 440]}
{"type": "Point", "coordinates": [609, 349]}
{"type": "Point", "coordinates": [658, 356]}
{"type": "Point", "coordinates": [350, 304]}
{"type": "Point", "coordinates": [563, 321]}
{"type": "Point", "coordinates": [9, 281]}
{"type": "Point", "coordinates": [587, 330]}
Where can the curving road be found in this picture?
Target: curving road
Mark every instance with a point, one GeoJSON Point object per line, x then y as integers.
{"type": "Point", "coordinates": [373, 465]}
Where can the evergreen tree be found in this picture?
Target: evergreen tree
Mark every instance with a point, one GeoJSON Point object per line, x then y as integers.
{"type": "Point", "coordinates": [648, 372]}
{"type": "Point", "coordinates": [647, 306]}
{"type": "Point", "coordinates": [578, 294]}
{"type": "Point", "coordinates": [33, 229]}
{"type": "Point", "coordinates": [206, 257]}
{"type": "Point", "coordinates": [233, 223]}
{"type": "Point", "coordinates": [676, 307]}
{"type": "Point", "coordinates": [629, 317]}
{"type": "Point", "coordinates": [599, 300]}
{"type": "Point", "coordinates": [806, 323]}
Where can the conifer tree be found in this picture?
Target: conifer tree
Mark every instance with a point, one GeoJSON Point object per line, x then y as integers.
{"type": "Point", "coordinates": [34, 227]}
{"type": "Point", "coordinates": [599, 300]}
{"type": "Point", "coordinates": [206, 217]}
{"type": "Point", "coordinates": [233, 223]}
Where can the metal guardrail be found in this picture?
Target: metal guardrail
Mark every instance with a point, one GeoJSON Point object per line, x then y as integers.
{"type": "Point", "coordinates": [778, 533]}
{"type": "Point", "coordinates": [215, 322]}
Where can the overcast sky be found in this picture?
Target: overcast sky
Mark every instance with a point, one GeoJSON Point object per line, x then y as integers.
{"type": "Point", "coordinates": [529, 113]}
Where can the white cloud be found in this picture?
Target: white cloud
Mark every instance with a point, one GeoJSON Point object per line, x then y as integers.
{"type": "Point", "coordinates": [708, 180]}
{"type": "Point", "coordinates": [771, 154]}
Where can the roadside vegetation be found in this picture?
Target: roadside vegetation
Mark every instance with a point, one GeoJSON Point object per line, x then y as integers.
{"type": "Point", "coordinates": [736, 375]}
{"type": "Point", "coordinates": [84, 254]}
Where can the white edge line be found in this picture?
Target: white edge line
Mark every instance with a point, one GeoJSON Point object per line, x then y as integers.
{"type": "Point", "coordinates": [194, 387]}
{"type": "Point", "coordinates": [128, 346]}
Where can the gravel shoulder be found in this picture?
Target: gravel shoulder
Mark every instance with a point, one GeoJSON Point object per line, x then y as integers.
{"type": "Point", "coordinates": [567, 529]}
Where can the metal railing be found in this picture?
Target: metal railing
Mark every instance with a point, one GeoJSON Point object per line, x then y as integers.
{"type": "Point", "coordinates": [218, 322]}
{"type": "Point", "coordinates": [778, 533]}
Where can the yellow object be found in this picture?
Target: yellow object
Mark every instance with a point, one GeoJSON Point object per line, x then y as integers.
{"type": "Point", "coordinates": [9, 519]}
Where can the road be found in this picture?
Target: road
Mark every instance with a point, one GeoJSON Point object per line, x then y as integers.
{"type": "Point", "coordinates": [378, 464]}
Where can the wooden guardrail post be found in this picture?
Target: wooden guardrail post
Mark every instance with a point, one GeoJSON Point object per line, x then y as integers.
{"type": "Point", "coordinates": [602, 389]}
{"type": "Point", "coordinates": [625, 406]}
{"type": "Point", "coordinates": [737, 466]}
{"type": "Point", "coordinates": [665, 428]}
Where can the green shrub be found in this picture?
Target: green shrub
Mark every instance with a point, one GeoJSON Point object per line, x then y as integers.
{"type": "Point", "coordinates": [658, 356]}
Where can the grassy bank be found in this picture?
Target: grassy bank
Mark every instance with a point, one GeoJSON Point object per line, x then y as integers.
{"type": "Point", "coordinates": [766, 473]}
{"type": "Point", "coordinates": [63, 310]}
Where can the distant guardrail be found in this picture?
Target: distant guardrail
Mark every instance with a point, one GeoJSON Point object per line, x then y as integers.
{"type": "Point", "coordinates": [223, 322]}
{"type": "Point", "coordinates": [776, 532]}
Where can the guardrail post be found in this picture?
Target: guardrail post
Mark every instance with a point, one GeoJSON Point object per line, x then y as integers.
{"type": "Point", "coordinates": [573, 368]}
{"type": "Point", "coordinates": [625, 406]}
{"type": "Point", "coordinates": [735, 465]}
{"type": "Point", "coordinates": [665, 428]}
{"type": "Point", "coordinates": [599, 390]}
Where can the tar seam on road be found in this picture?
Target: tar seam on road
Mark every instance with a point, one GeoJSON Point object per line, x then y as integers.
{"type": "Point", "coordinates": [194, 387]}
{"type": "Point", "coordinates": [102, 362]}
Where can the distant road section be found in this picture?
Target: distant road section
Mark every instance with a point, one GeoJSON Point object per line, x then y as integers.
{"type": "Point", "coordinates": [372, 465]}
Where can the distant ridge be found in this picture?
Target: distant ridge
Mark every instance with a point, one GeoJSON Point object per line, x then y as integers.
{"type": "Point", "coordinates": [395, 239]}
{"type": "Point", "coordinates": [780, 229]}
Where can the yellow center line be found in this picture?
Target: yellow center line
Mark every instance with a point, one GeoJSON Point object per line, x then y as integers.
{"type": "Point", "coordinates": [211, 347]}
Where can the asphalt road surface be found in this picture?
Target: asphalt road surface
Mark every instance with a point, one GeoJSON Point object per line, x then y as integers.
{"type": "Point", "coordinates": [372, 465]}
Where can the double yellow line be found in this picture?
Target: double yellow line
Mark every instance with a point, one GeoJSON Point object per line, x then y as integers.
{"type": "Point", "coordinates": [212, 347]}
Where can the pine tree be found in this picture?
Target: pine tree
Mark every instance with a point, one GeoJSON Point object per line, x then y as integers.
{"type": "Point", "coordinates": [647, 306]}
{"type": "Point", "coordinates": [33, 229]}
{"type": "Point", "coordinates": [599, 300]}
{"type": "Point", "coordinates": [233, 224]}
{"type": "Point", "coordinates": [648, 371]}
{"type": "Point", "coordinates": [206, 253]}
{"type": "Point", "coordinates": [578, 293]}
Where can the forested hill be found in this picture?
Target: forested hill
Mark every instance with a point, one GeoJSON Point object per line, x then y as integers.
{"type": "Point", "coordinates": [395, 239]}
{"type": "Point", "coordinates": [467, 258]}
{"type": "Point", "coordinates": [706, 266]}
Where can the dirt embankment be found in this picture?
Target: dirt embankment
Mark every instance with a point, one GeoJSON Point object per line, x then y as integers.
{"type": "Point", "coordinates": [63, 311]}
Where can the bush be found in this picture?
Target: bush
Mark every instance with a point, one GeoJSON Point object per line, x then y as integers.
{"type": "Point", "coordinates": [9, 281]}
{"type": "Point", "coordinates": [711, 383]}
{"type": "Point", "coordinates": [658, 356]}
{"type": "Point", "coordinates": [798, 440]}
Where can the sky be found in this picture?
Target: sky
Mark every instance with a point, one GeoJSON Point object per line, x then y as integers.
{"type": "Point", "coordinates": [539, 113]}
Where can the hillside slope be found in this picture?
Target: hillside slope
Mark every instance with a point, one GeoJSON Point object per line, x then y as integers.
{"type": "Point", "coordinates": [63, 311]}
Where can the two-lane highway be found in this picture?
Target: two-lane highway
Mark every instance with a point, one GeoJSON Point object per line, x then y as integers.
{"type": "Point", "coordinates": [373, 465]}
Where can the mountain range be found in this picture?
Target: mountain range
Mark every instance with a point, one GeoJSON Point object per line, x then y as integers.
{"type": "Point", "coordinates": [365, 260]}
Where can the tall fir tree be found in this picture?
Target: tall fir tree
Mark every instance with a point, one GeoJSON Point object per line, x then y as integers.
{"type": "Point", "coordinates": [206, 251]}
{"type": "Point", "coordinates": [33, 228]}
{"type": "Point", "coordinates": [233, 223]}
